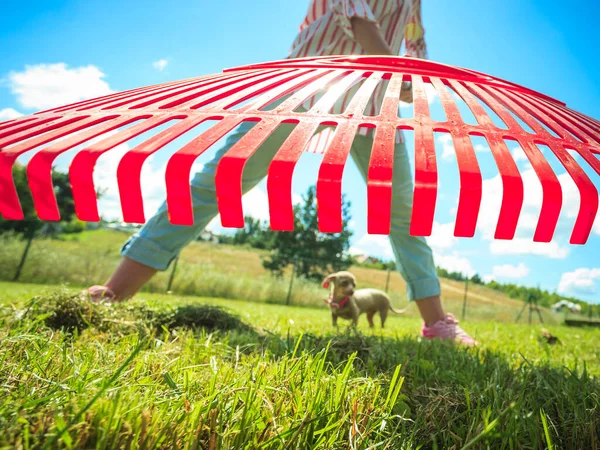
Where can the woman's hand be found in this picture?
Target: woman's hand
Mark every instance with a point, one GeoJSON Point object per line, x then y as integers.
{"type": "Point", "coordinates": [369, 37]}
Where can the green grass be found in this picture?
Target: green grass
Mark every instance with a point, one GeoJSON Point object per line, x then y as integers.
{"type": "Point", "coordinates": [224, 271]}
{"type": "Point", "coordinates": [291, 382]}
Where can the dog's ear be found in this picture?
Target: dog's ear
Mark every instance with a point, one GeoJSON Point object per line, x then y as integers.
{"type": "Point", "coordinates": [352, 277]}
{"type": "Point", "coordinates": [328, 279]}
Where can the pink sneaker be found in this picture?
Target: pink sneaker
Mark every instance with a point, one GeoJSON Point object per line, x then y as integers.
{"type": "Point", "coordinates": [448, 328]}
{"type": "Point", "coordinates": [99, 293]}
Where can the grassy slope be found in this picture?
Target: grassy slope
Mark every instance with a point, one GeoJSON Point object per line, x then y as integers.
{"type": "Point", "coordinates": [243, 391]}
{"type": "Point", "coordinates": [224, 271]}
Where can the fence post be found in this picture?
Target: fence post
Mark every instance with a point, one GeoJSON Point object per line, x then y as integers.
{"type": "Point", "coordinates": [23, 258]}
{"type": "Point", "coordinates": [289, 294]}
{"type": "Point", "coordinates": [172, 276]}
{"type": "Point", "coordinates": [464, 309]}
{"type": "Point", "coordinates": [387, 281]}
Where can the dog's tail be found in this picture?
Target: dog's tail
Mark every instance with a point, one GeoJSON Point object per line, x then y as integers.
{"type": "Point", "coordinates": [397, 311]}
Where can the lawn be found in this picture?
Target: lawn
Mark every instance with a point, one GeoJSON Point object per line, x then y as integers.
{"type": "Point", "coordinates": [289, 382]}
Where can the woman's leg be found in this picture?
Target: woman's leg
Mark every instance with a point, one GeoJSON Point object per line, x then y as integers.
{"type": "Point", "coordinates": [158, 242]}
{"type": "Point", "coordinates": [126, 280]}
{"type": "Point", "coordinates": [414, 257]}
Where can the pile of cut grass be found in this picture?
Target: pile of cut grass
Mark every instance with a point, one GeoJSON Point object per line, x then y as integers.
{"type": "Point", "coordinates": [191, 317]}
{"type": "Point", "coordinates": [67, 310]}
{"type": "Point", "coordinates": [63, 310]}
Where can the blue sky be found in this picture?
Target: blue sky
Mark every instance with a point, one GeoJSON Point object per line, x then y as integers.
{"type": "Point", "coordinates": [56, 52]}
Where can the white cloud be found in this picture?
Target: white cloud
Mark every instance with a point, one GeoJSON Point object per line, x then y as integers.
{"type": "Point", "coordinates": [373, 245]}
{"type": "Point", "coordinates": [196, 167]}
{"type": "Point", "coordinates": [488, 278]}
{"type": "Point", "coordinates": [492, 192]}
{"type": "Point", "coordinates": [447, 146]}
{"type": "Point", "coordinates": [256, 204]}
{"type": "Point", "coordinates": [160, 64]}
{"type": "Point", "coordinates": [448, 151]}
{"type": "Point", "coordinates": [525, 246]}
{"type": "Point", "coordinates": [455, 263]}
{"type": "Point", "coordinates": [105, 180]}
{"type": "Point", "coordinates": [532, 202]}
{"type": "Point", "coordinates": [50, 85]}
{"type": "Point", "coordinates": [215, 225]}
{"type": "Point", "coordinates": [571, 203]}
{"type": "Point", "coordinates": [442, 236]}
{"type": "Point", "coordinates": [580, 281]}
{"type": "Point", "coordinates": [431, 93]}
{"type": "Point", "coordinates": [152, 181]}
{"type": "Point", "coordinates": [9, 114]}
{"type": "Point", "coordinates": [519, 155]}
{"type": "Point", "coordinates": [491, 199]}
{"type": "Point", "coordinates": [510, 271]}
{"type": "Point", "coordinates": [46, 86]}
{"type": "Point", "coordinates": [355, 251]}
{"type": "Point", "coordinates": [296, 199]}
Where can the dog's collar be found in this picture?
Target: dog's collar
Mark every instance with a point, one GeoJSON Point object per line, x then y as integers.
{"type": "Point", "coordinates": [340, 303]}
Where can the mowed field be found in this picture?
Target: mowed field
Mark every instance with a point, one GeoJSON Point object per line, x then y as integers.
{"type": "Point", "coordinates": [224, 271]}
{"type": "Point", "coordinates": [280, 377]}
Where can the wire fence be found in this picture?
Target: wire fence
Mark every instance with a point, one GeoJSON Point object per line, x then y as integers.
{"type": "Point", "coordinates": [387, 279]}
{"type": "Point", "coordinates": [294, 269]}
{"type": "Point", "coordinates": [398, 294]}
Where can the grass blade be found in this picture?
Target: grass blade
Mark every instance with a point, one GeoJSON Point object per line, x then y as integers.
{"type": "Point", "coordinates": [89, 404]}
{"type": "Point", "coordinates": [488, 429]}
{"type": "Point", "coordinates": [546, 430]}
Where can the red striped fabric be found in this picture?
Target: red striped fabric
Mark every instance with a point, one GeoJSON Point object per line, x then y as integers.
{"type": "Point", "coordinates": [327, 30]}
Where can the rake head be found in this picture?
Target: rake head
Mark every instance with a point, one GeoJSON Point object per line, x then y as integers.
{"type": "Point", "coordinates": [245, 93]}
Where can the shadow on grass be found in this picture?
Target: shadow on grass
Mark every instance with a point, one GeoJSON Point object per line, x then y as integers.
{"type": "Point", "coordinates": [453, 391]}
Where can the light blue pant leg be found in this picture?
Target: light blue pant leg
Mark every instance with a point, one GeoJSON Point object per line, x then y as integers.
{"type": "Point", "coordinates": [414, 258]}
{"type": "Point", "coordinates": [158, 242]}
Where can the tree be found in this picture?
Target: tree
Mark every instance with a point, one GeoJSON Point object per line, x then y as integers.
{"type": "Point", "coordinates": [243, 235]}
{"type": "Point", "coordinates": [476, 279]}
{"type": "Point", "coordinates": [312, 253]}
{"type": "Point", "coordinates": [255, 233]}
{"type": "Point", "coordinates": [31, 224]}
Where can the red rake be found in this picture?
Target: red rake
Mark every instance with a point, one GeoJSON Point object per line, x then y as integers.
{"type": "Point", "coordinates": [292, 82]}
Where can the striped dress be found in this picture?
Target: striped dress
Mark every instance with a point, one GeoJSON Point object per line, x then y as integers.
{"type": "Point", "coordinates": [326, 30]}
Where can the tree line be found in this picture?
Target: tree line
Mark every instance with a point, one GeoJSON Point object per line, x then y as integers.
{"type": "Point", "coordinates": [31, 226]}
{"type": "Point", "coordinates": [523, 293]}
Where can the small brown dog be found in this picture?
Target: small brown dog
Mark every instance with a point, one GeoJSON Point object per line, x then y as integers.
{"type": "Point", "coordinates": [347, 303]}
